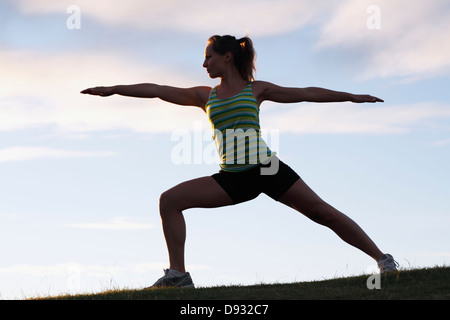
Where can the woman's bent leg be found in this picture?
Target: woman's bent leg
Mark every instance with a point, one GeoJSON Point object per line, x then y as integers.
{"type": "Point", "coordinates": [198, 193]}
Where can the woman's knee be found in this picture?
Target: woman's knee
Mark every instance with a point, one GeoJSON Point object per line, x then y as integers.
{"type": "Point", "coordinates": [167, 202]}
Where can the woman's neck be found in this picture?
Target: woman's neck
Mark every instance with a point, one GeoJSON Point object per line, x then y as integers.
{"type": "Point", "coordinates": [232, 81]}
{"type": "Point", "coordinates": [229, 87]}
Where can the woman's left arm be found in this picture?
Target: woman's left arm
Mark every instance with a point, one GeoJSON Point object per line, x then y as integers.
{"type": "Point", "coordinates": [268, 91]}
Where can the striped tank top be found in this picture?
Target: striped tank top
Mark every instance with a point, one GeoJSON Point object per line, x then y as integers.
{"type": "Point", "coordinates": [236, 130]}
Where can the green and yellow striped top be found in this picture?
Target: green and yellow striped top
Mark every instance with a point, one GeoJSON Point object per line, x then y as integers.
{"type": "Point", "coordinates": [236, 130]}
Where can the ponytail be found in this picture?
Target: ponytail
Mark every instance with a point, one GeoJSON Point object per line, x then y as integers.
{"type": "Point", "coordinates": [242, 50]}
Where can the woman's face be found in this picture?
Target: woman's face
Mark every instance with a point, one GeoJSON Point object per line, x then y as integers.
{"type": "Point", "coordinates": [215, 63]}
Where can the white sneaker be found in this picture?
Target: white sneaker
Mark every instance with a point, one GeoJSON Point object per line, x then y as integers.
{"type": "Point", "coordinates": [387, 263]}
{"type": "Point", "coordinates": [171, 280]}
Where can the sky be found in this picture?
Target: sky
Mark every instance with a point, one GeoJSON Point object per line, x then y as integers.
{"type": "Point", "coordinates": [81, 176]}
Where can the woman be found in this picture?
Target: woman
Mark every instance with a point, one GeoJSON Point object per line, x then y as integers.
{"type": "Point", "coordinates": [248, 167]}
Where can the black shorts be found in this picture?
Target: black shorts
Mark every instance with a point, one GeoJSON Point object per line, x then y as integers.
{"type": "Point", "coordinates": [247, 185]}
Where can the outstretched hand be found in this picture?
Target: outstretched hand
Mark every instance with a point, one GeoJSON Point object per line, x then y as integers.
{"type": "Point", "coordinates": [99, 91]}
{"type": "Point", "coordinates": [362, 98]}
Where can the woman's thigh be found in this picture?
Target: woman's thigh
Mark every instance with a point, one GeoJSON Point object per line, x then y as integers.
{"type": "Point", "coordinates": [202, 192]}
{"type": "Point", "coordinates": [303, 199]}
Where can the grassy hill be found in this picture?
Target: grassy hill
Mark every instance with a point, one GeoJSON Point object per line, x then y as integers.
{"type": "Point", "coordinates": [417, 284]}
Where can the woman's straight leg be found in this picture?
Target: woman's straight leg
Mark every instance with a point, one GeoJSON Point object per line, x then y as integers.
{"type": "Point", "coordinates": [303, 199]}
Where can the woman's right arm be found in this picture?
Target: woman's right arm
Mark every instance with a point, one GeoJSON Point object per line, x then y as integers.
{"type": "Point", "coordinates": [195, 96]}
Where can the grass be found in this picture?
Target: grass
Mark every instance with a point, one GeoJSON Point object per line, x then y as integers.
{"type": "Point", "coordinates": [416, 284]}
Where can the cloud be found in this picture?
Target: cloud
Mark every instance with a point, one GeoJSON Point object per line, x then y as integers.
{"type": "Point", "coordinates": [101, 271]}
{"type": "Point", "coordinates": [412, 41]}
{"type": "Point", "coordinates": [260, 18]}
{"type": "Point", "coordinates": [72, 277]}
{"type": "Point", "coordinates": [338, 118]}
{"type": "Point", "coordinates": [10, 216]}
{"type": "Point", "coordinates": [11, 154]}
{"type": "Point", "coordinates": [442, 254]}
{"type": "Point", "coordinates": [117, 223]}
{"type": "Point", "coordinates": [43, 91]}
{"type": "Point", "coordinates": [441, 143]}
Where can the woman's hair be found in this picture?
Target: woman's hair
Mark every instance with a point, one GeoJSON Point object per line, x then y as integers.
{"type": "Point", "coordinates": [242, 50]}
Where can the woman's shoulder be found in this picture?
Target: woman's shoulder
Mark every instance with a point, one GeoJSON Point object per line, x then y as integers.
{"type": "Point", "coordinates": [259, 87]}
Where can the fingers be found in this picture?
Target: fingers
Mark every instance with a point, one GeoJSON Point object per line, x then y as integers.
{"type": "Point", "coordinates": [97, 91]}
{"type": "Point", "coordinates": [375, 99]}
{"type": "Point", "coordinates": [87, 91]}
{"type": "Point", "coordinates": [90, 91]}
{"type": "Point", "coordinates": [367, 99]}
